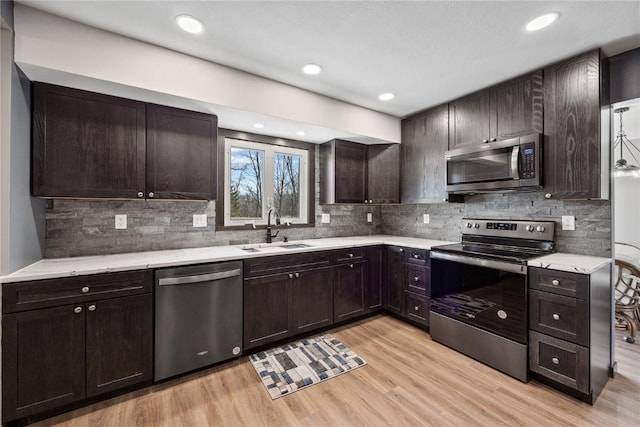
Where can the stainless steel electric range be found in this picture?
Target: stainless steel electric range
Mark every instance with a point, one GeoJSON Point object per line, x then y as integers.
{"type": "Point", "coordinates": [479, 303]}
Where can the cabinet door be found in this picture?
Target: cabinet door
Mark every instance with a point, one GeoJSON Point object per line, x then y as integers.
{"type": "Point", "coordinates": [425, 139]}
{"type": "Point", "coordinates": [266, 309]}
{"type": "Point", "coordinates": [312, 300]}
{"type": "Point", "coordinates": [518, 107]}
{"type": "Point", "coordinates": [572, 162]}
{"type": "Point", "coordinates": [394, 286]}
{"type": "Point", "coordinates": [181, 154]}
{"type": "Point", "coordinates": [348, 291]}
{"type": "Point", "coordinates": [383, 173]}
{"type": "Point", "coordinates": [87, 144]}
{"type": "Point", "coordinates": [373, 282]}
{"type": "Point", "coordinates": [43, 360]}
{"type": "Point", "coordinates": [119, 343]}
{"type": "Point", "coordinates": [350, 172]}
{"type": "Point", "coordinates": [470, 119]}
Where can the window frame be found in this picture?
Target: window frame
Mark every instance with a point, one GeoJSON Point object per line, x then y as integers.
{"type": "Point", "coordinates": [270, 145]}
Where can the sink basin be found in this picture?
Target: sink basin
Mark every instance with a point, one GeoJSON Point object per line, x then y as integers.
{"type": "Point", "coordinates": [251, 249]}
{"type": "Point", "coordinates": [295, 246]}
{"type": "Point", "coordinates": [265, 247]}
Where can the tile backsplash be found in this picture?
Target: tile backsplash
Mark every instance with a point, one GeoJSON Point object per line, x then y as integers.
{"type": "Point", "coordinates": [86, 227]}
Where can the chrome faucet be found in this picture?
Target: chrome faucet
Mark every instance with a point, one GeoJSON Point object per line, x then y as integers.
{"type": "Point", "coordinates": [277, 219]}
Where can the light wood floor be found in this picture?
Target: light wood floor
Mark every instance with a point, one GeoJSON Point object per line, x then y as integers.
{"type": "Point", "coordinates": [410, 380]}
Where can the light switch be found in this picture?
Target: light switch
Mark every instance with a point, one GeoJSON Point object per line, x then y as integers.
{"type": "Point", "coordinates": [369, 217]}
{"type": "Point", "coordinates": [121, 222]}
{"type": "Point", "coordinates": [200, 220]}
{"type": "Point", "coordinates": [568, 222]}
{"type": "Point", "coordinates": [325, 219]}
{"type": "Point", "coordinates": [426, 219]}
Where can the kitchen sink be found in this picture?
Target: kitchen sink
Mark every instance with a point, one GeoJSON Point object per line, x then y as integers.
{"type": "Point", "coordinates": [265, 247]}
{"type": "Point", "coordinates": [251, 249]}
{"type": "Point", "coordinates": [295, 246]}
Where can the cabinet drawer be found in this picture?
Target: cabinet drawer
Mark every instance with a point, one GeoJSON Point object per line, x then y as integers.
{"type": "Point", "coordinates": [559, 282]}
{"type": "Point", "coordinates": [417, 279]}
{"type": "Point", "coordinates": [559, 316]}
{"type": "Point", "coordinates": [417, 256]}
{"type": "Point", "coordinates": [561, 361]}
{"type": "Point", "coordinates": [263, 266]}
{"type": "Point", "coordinates": [417, 308]}
{"type": "Point", "coordinates": [348, 255]}
{"type": "Point", "coordinates": [69, 290]}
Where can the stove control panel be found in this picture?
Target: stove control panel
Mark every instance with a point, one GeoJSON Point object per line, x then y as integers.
{"type": "Point", "coordinates": [523, 229]}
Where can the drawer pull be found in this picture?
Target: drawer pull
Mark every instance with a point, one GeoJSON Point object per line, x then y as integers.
{"type": "Point", "coordinates": [350, 265]}
{"type": "Point", "coordinates": [85, 289]}
{"type": "Point", "coordinates": [556, 316]}
{"type": "Point", "coordinates": [350, 255]}
{"type": "Point", "coordinates": [416, 256]}
{"type": "Point", "coordinates": [92, 307]}
{"type": "Point", "coordinates": [555, 360]}
{"type": "Point", "coordinates": [555, 282]}
{"type": "Point", "coordinates": [297, 274]}
{"type": "Point", "coordinates": [77, 310]}
{"type": "Point", "coordinates": [416, 279]}
{"type": "Point", "coordinates": [290, 275]}
{"type": "Point", "coordinates": [416, 308]}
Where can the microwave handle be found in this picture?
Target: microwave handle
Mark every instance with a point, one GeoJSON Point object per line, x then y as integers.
{"type": "Point", "coordinates": [515, 155]}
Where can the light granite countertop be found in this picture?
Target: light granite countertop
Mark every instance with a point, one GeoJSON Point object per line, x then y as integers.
{"type": "Point", "coordinates": [51, 268]}
{"type": "Point", "coordinates": [572, 263]}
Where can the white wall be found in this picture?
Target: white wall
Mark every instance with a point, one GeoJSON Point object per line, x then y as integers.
{"type": "Point", "coordinates": [57, 50]}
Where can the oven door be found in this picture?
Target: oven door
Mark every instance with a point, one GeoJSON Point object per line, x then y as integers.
{"type": "Point", "coordinates": [486, 294]}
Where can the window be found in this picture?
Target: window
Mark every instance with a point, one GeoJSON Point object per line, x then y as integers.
{"type": "Point", "coordinates": [261, 176]}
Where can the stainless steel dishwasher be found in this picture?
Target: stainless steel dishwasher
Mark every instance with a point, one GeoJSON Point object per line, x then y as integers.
{"type": "Point", "coordinates": [198, 317]}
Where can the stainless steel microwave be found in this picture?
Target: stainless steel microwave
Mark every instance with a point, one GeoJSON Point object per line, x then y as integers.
{"type": "Point", "coordinates": [506, 165]}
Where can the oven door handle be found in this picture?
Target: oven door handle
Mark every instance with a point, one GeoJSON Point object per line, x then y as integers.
{"type": "Point", "coordinates": [481, 262]}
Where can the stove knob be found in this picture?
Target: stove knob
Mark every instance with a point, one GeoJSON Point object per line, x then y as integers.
{"type": "Point", "coordinates": [529, 228]}
{"type": "Point", "coordinates": [468, 225]}
{"type": "Point", "coordinates": [476, 225]}
{"type": "Point", "coordinates": [540, 228]}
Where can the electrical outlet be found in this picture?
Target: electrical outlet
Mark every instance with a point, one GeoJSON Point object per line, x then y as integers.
{"type": "Point", "coordinates": [200, 220]}
{"type": "Point", "coordinates": [121, 222]}
{"type": "Point", "coordinates": [369, 217]}
{"type": "Point", "coordinates": [325, 219]}
{"type": "Point", "coordinates": [568, 222]}
{"type": "Point", "coordinates": [425, 219]}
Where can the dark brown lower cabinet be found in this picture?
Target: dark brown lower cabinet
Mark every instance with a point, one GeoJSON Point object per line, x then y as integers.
{"type": "Point", "coordinates": [119, 341]}
{"type": "Point", "coordinates": [373, 280]}
{"type": "Point", "coordinates": [61, 354]}
{"type": "Point", "coordinates": [394, 286]}
{"type": "Point", "coordinates": [281, 305]}
{"type": "Point", "coordinates": [348, 290]}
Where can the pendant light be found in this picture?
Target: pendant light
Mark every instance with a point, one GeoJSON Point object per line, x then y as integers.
{"type": "Point", "coordinates": [622, 167]}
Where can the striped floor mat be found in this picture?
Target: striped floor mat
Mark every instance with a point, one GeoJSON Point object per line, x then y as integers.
{"type": "Point", "coordinates": [284, 370]}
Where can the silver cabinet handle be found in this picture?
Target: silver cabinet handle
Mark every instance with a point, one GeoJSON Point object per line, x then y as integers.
{"type": "Point", "coordinates": [77, 310]}
{"type": "Point", "coordinates": [350, 265]}
{"type": "Point", "coordinates": [485, 141]}
{"type": "Point", "coordinates": [555, 282]}
{"type": "Point", "coordinates": [140, 194]}
{"type": "Point", "coordinates": [366, 201]}
{"type": "Point", "coordinates": [493, 140]}
{"type": "Point", "coordinates": [151, 195]}
{"type": "Point", "coordinates": [416, 279]}
{"type": "Point", "coordinates": [416, 308]}
{"type": "Point", "coordinates": [556, 316]}
{"type": "Point", "coordinates": [416, 256]}
{"type": "Point", "coordinates": [350, 255]}
{"type": "Point", "coordinates": [290, 275]}
{"type": "Point", "coordinates": [92, 307]}
{"type": "Point", "coordinates": [85, 289]}
{"type": "Point", "coordinates": [555, 360]}
{"type": "Point", "coordinates": [547, 196]}
{"type": "Point", "coordinates": [370, 201]}
{"type": "Point", "coordinates": [297, 274]}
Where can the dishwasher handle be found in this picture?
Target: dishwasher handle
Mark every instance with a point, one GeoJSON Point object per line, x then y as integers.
{"type": "Point", "coordinates": [198, 278]}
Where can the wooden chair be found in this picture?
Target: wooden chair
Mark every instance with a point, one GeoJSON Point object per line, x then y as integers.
{"type": "Point", "coordinates": [627, 289]}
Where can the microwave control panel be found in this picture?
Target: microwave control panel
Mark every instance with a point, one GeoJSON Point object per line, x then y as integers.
{"type": "Point", "coordinates": [528, 161]}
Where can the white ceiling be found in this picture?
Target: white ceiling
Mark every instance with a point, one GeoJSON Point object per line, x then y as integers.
{"type": "Point", "coordinates": [428, 52]}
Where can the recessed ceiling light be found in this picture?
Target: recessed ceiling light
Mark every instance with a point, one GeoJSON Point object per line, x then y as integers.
{"type": "Point", "coordinates": [542, 21]}
{"type": "Point", "coordinates": [258, 126]}
{"type": "Point", "coordinates": [386, 96]}
{"type": "Point", "coordinates": [311, 69]}
{"type": "Point", "coordinates": [301, 133]}
{"type": "Point", "coordinates": [189, 24]}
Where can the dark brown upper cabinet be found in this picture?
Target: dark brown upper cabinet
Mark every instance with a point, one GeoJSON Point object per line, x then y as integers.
{"type": "Point", "coordinates": [86, 144]}
{"type": "Point", "coordinates": [572, 149]}
{"type": "Point", "coordinates": [425, 140]}
{"type": "Point", "coordinates": [89, 145]}
{"type": "Point", "coordinates": [507, 110]}
{"type": "Point", "coordinates": [181, 154]}
{"type": "Point", "coordinates": [358, 173]}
